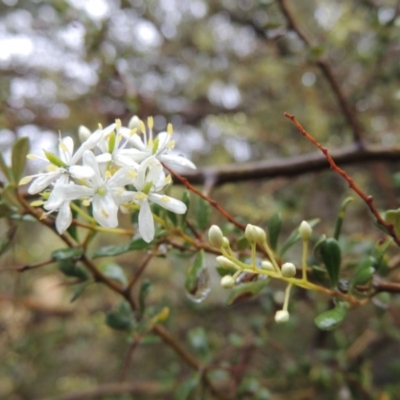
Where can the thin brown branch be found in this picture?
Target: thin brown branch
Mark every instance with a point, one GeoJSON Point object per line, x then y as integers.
{"type": "Point", "coordinates": [289, 167]}
{"type": "Point", "coordinates": [366, 198]}
{"type": "Point", "coordinates": [348, 110]}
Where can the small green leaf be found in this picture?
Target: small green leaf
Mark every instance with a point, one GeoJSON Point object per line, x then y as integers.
{"type": "Point", "coordinates": [69, 253]}
{"type": "Point", "coordinates": [393, 217]}
{"type": "Point", "coordinates": [222, 271]}
{"type": "Point", "coordinates": [242, 243]}
{"type": "Point", "coordinates": [380, 256]}
{"type": "Point", "coordinates": [4, 168]}
{"type": "Point", "coordinates": [115, 250]}
{"type": "Point", "coordinates": [187, 387]}
{"type": "Point", "coordinates": [121, 319]}
{"type": "Point", "coordinates": [172, 217]}
{"type": "Point", "coordinates": [364, 272]}
{"type": "Point", "coordinates": [186, 200]}
{"type": "Point", "coordinates": [295, 236]}
{"type": "Point", "coordinates": [202, 213]}
{"type": "Point", "coordinates": [197, 283]}
{"type": "Point", "coordinates": [145, 289]}
{"type": "Point", "coordinates": [18, 158]}
{"type": "Point", "coordinates": [7, 239]}
{"type": "Point", "coordinates": [274, 229]}
{"type": "Point", "coordinates": [114, 272]}
{"type": "Point", "coordinates": [340, 217]}
{"type": "Point", "coordinates": [331, 257]}
{"type": "Point", "coordinates": [245, 291]}
{"type": "Point", "coordinates": [198, 339]}
{"type": "Point", "coordinates": [73, 269]}
{"type": "Point", "coordinates": [79, 289]}
{"type": "Point", "coordinates": [10, 197]}
{"type": "Point", "coordinates": [330, 319]}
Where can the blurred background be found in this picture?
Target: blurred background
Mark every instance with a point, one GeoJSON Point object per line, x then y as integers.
{"type": "Point", "coordinates": [223, 73]}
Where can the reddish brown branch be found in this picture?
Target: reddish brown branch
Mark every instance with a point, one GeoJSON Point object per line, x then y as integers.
{"type": "Point", "coordinates": [346, 107]}
{"type": "Point", "coordinates": [368, 199]}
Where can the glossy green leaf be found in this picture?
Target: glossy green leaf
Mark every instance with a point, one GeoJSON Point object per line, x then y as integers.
{"type": "Point", "coordinates": [72, 253]}
{"type": "Point", "coordinates": [294, 237]}
{"type": "Point", "coordinates": [202, 213]}
{"type": "Point", "coordinates": [145, 289]}
{"type": "Point", "coordinates": [18, 158]}
{"type": "Point", "coordinates": [79, 289]}
{"type": "Point", "coordinates": [340, 217]}
{"type": "Point", "coordinates": [380, 256]}
{"type": "Point", "coordinates": [245, 291]}
{"type": "Point", "coordinates": [364, 272]}
{"type": "Point", "coordinates": [393, 217]}
{"type": "Point", "coordinates": [197, 282]}
{"type": "Point", "coordinates": [115, 250]}
{"type": "Point", "coordinates": [331, 257]}
{"type": "Point", "coordinates": [6, 241]}
{"type": "Point", "coordinates": [121, 319]}
{"type": "Point", "coordinates": [115, 272]}
{"type": "Point", "coordinates": [73, 269]}
{"type": "Point", "coordinates": [274, 229]}
{"type": "Point", "coordinates": [330, 319]}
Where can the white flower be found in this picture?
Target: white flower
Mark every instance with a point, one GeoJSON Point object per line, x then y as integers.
{"type": "Point", "coordinates": [149, 180]}
{"type": "Point", "coordinates": [113, 147]}
{"type": "Point", "coordinates": [64, 164]}
{"type": "Point", "coordinates": [158, 146]}
{"type": "Point", "coordinates": [105, 193]}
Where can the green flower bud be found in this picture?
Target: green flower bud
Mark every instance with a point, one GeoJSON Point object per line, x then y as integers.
{"type": "Point", "coordinates": [288, 270]}
{"type": "Point", "coordinates": [267, 265]}
{"type": "Point", "coordinates": [225, 243]}
{"type": "Point", "coordinates": [254, 234]}
{"type": "Point", "coordinates": [215, 236]}
{"type": "Point", "coordinates": [226, 262]}
{"type": "Point", "coordinates": [281, 316]}
{"type": "Point", "coordinates": [305, 230]}
{"type": "Point", "coordinates": [227, 282]}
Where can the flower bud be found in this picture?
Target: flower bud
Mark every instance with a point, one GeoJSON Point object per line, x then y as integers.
{"type": "Point", "coordinates": [305, 230]}
{"type": "Point", "coordinates": [288, 270]}
{"type": "Point", "coordinates": [83, 133]}
{"type": "Point", "coordinates": [215, 236]}
{"type": "Point", "coordinates": [226, 262]}
{"type": "Point", "coordinates": [227, 282]}
{"type": "Point", "coordinates": [134, 123]}
{"type": "Point", "coordinates": [225, 243]}
{"type": "Point", "coordinates": [281, 316]}
{"type": "Point", "coordinates": [267, 265]}
{"type": "Point", "coordinates": [254, 234]}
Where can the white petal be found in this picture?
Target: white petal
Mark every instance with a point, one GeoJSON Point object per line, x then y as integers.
{"type": "Point", "coordinates": [89, 160]}
{"type": "Point", "coordinates": [168, 203]}
{"type": "Point", "coordinates": [103, 158]}
{"type": "Point", "coordinates": [164, 138]}
{"type": "Point", "coordinates": [136, 141]}
{"type": "Point", "coordinates": [122, 177]}
{"type": "Point", "coordinates": [67, 192]}
{"type": "Point", "coordinates": [81, 172]}
{"type": "Point", "coordinates": [88, 144]}
{"type": "Point", "coordinates": [105, 211]}
{"type": "Point", "coordinates": [43, 181]}
{"type": "Point", "coordinates": [177, 160]}
{"type": "Point", "coordinates": [66, 148]}
{"type": "Point", "coordinates": [146, 222]}
{"type": "Point", "coordinates": [64, 218]}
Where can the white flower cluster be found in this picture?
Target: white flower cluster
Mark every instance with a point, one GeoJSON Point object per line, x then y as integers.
{"type": "Point", "coordinates": [113, 168]}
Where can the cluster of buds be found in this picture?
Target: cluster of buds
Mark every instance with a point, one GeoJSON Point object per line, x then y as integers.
{"type": "Point", "coordinates": [115, 168]}
{"type": "Point", "coordinates": [256, 236]}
